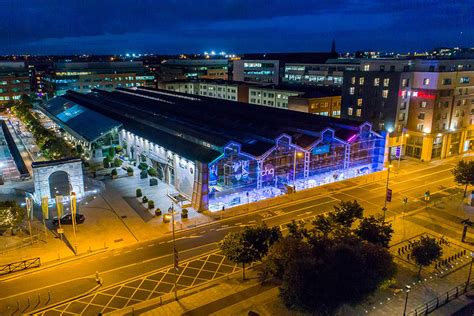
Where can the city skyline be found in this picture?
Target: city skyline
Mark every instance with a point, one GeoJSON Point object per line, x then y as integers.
{"type": "Point", "coordinates": [172, 27]}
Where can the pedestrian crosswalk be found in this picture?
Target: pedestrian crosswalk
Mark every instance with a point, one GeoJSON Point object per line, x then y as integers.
{"type": "Point", "coordinates": [441, 221]}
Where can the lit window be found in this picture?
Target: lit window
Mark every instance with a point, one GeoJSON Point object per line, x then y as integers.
{"type": "Point", "coordinates": [404, 93]}
{"type": "Point", "coordinates": [361, 80]}
{"type": "Point", "coordinates": [419, 127]}
{"type": "Point", "coordinates": [359, 112]}
{"type": "Point", "coordinates": [353, 80]}
{"type": "Point", "coordinates": [386, 82]}
{"type": "Point", "coordinates": [350, 111]}
{"type": "Point", "coordinates": [426, 81]}
{"type": "Point", "coordinates": [366, 67]}
{"type": "Point", "coordinates": [359, 102]}
{"type": "Point", "coordinates": [385, 93]}
{"type": "Point", "coordinates": [423, 104]}
{"type": "Point", "coordinates": [421, 116]}
{"type": "Point", "coordinates": [351, 90]}
{"type": "Point", "coordinates": [376, 82]}
{"type": "Point", "coordinates": [401, 116]}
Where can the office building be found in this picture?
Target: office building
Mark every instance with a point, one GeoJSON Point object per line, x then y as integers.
{"type": "Point", "coordinates": [178, 69]}
{"type": "Point", "coordinates": [85, 76]}
{"type": "Point", "coordinates": [220, 89]}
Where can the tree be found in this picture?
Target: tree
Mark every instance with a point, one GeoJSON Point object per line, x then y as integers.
{"type": "Point", "coordinates": [425, 251]}
{"type": "Point", "coordinates": [250, 245]}
{"type": "Point", "coordinates": [342, 271]}
{"type": "Point", "coordinates": [347, 212]}
{"type": "Point", "coordinates": [11, 214]}
{"type": "Point", "coordinates": [464, 174]}
{"type": "Point", "coordinates": [375, 230]}
{"type": "Point", "coordinates": [297, 229]}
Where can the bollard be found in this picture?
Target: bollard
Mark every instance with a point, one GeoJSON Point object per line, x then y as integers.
{"type": "Point", "coordinates": [398, 251]}
{"type": "Point", "coordinates": [49, 296]}
{"type": "Point", "coordinates": [408, 256]}
{"type": "Point", "coordinates": [161, 300]}
{"type": "Point", "coordinates": [28, 301]}
{"type": "Point", "coordinates": [18, 304]}
{"type": "Point", "coordinates": [59, 257]}
{"type": "Point", "coordinates": [39, 299]}
{"type": "Point", "coordinates": [90, 250]}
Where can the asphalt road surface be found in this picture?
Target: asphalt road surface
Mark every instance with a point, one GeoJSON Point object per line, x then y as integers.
{"type": "Point", "coordinates": [47, 287]}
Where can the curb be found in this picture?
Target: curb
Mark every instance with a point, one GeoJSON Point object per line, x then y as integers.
{"type": "Point", "coordinates": [52, 264]}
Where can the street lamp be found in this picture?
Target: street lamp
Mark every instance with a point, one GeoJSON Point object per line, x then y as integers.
{"type": "Point", "coordinates": [406, 299]}
{"type": "Point", "coordinates": [401, 146]}
{"type": "Point", "coordinates": [299, 154]}
{"type": "Point", "coordinates": [386, 191]}
{"type": "Point", "coordinates": [470, 270]}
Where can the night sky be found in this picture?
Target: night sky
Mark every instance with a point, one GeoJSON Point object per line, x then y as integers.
{"type": "Point", "coordinates": [234, 26]}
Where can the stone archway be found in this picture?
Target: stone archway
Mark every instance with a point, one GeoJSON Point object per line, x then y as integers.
{"type": "Point", "coordinates": [43, 170]}
{"type": "Point", "coordinates": [59, 183]}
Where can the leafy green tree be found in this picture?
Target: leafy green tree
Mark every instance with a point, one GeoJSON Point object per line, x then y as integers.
{"type": "Point", "coordinates": [425, 251]}
{"type": "Point", "coordinates": [11, 214]}
{"type": "Point", "coordinates": [375, 230]}
{"type": "Point", "coordinates": [297, 229]}
{"type": "Point", "coordinates": [250, 245]}
{"type": "Point", "coordinates": [464, 174]}
{"type": "Point", "coordinates": [347, 212]}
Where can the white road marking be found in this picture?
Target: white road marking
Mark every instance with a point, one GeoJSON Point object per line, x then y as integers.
{"type": "Point", "coordinates": [139, 248]}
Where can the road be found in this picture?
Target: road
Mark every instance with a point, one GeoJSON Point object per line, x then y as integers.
{"type": "Point", "coordinates": [49, 286]}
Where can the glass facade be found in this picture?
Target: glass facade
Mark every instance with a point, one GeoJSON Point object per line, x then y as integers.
{"type": "Point", "coordinates": [239, 178]}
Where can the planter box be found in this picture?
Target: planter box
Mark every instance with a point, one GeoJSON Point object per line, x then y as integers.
{"type": "Point", "coordinates": [130, 174]}
{"type": "Point", "coordinates": [143, 175]}
{"type": "Point", "coordinates": [115, 177]}
{"type": "Point", "coordinates": [153, 182]}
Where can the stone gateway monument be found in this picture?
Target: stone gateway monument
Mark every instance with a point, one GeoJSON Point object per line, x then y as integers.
{"type": "Point", "coordinates": [42, 171]}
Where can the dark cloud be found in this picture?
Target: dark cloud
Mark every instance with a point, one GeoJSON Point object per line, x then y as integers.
{"type": "Point", "coordinates": [104, 26]}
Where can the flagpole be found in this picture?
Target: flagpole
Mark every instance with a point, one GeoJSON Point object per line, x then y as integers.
{"type": "Point", "coordinates": [29, 209]}
{"type": "Point", "coordinates": [72, 198]}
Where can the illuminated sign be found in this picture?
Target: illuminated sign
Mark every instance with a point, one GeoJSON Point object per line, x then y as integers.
{"type": "Point", "coordinates": [320, 150]}
{"type": "Point", "coordinates": [252, 65]}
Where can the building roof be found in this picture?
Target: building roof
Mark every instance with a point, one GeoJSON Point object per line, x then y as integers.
{"type": "Point", "coordinates": [80, 121]}
{"type": "Point", "coordinates": [198, 128]}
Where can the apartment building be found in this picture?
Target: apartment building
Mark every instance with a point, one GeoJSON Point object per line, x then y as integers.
{"type": "Point", "coordinates": [14, 82]}
{"type": "Point", "coordinates": [426, 106]}
{"type": "Point", "coordinates": [85, 76]}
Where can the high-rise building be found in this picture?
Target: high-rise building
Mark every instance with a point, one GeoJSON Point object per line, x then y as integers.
{"type": "Point", "coordinates": [176, 69]}
{"type": "Point", "coordinates": [426, 105]}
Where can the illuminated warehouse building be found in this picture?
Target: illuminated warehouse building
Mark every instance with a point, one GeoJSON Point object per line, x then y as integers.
{"type": "Point", "coordinates": [220, 153]}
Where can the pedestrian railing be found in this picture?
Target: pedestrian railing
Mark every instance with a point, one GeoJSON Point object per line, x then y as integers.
{"type": "Point", "coordinates": [20, 265]}
{"type": "Point", "coordinates": [439, 301]}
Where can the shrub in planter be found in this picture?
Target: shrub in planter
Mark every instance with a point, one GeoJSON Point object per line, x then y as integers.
{"type": "Point", "coordinates": [139, 192]}
{"type": "Point", "coordinates": [151, 204]}
{"type": "Point", "coordinates": [157, 212]}
{"type": "Point", "coordinates": [106, 162]}
{"type": "Point", "coordinates": [130, 171]}
{"type": "Point", "coordinates": [86, 164]}
{"type": "Point", "coordinates": [153, 181]}
{"type": "Point", "coordinates": [114, 173]}
{"type": "Point", "coordinates": [142, 166]}
{"type": "Point", "coordinates": [143, 174]}
{"type": "Point", "coordinates": [184, 213]}
{"type": "Point", "coordinates": [144, 199]}
{"type": "Point", "coordinates": [152, 172]}
{"type": "Point", "coordinates": [117, 162]}
{"type": "Point", "coordinates": [118, 149]}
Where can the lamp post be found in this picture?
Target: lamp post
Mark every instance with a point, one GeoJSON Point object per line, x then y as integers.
{"type": "Point", "coordinates": [401, 146]}
{"type": "Point", "coordinates": [386, 191]}
{"type": "Point", "coordinates": [470, 270]}
{"type": "Point", "coordinates": [299, 154]}
{"type": "Point", "coordinates": [406, 300]}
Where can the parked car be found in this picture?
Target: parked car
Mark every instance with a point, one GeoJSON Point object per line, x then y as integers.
{"type": "Point", "coordinates": [67, 219]}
